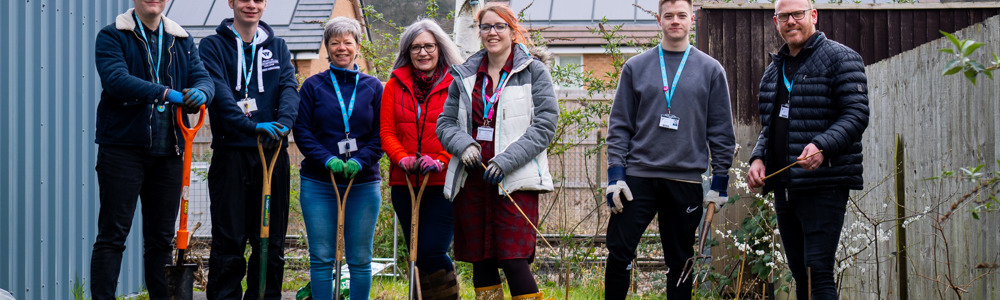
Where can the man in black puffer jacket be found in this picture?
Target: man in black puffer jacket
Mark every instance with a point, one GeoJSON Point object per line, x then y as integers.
{"type": "Point", "coordinates": [817, 124]}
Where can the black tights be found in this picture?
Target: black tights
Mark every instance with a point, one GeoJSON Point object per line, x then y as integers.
{"type": "Point", "coordinates": [518, 273]}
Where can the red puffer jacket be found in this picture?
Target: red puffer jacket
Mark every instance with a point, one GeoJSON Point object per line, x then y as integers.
{"type": "Point", "coordinates": [399, 131]}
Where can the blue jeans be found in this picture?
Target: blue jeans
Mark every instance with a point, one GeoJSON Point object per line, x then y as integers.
{"type": "Point", "coordinates": [319, 209]}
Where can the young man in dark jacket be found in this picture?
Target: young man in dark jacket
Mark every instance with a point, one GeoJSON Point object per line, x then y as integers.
{"type": "Point", "coordinates": [818, 125]}
{"type": "Point", "coordinates": [148, 66]}
{"type": "Point", "coordinates": [671, 115]}
{"type": "Point", "coordinates": [256, 98]}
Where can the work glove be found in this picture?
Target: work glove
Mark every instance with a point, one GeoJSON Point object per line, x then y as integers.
{"type": "Point", "coordinates": [351, 168]}
{"type": "Point", "coordinates": [717, 192]}
{"type": "Point", "coordinates": [273, 130]}
{"type": "Point", "coordinates": [471, 158]}
{"type": "Point", "coordinates": [175, 97]}
{"type": "Point", "coordinates": [194, 98]}
{"type": "Point", "coordinates": [616, 188]}
{"type": "Point", "coordinates": [493, 174]}
{"type": "Point", "coordinates": [409, 165]}
{"type": "Point", "coordinates": [428, 164]}
{"type": "Point", "coordinates": [335, 165]}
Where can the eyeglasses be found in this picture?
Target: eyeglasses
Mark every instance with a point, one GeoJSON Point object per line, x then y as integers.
{"type": "Point", "coordinates": [797, 15]}
{"type": "Point", "coordinates": [429, 48]}
{"type": "Point", "coordinates": [500, 27]}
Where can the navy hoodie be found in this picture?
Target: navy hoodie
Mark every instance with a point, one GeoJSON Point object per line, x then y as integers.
{"type": "Point", "coordinates": [321, 124]}
{"type": "Point", "coordinates": [272, 84]}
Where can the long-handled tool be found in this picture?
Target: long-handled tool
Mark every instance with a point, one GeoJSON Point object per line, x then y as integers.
{"type": "Point", "coordinates": [341, 205]}
{"type": "Point", "coordinates": [265, 214]}
{"type": "Point", "coordinates": [180, 276]}
{"type": "Point", "coordinates": [414, 221]}
{"type": "Point", "coordinates": [701, 258]}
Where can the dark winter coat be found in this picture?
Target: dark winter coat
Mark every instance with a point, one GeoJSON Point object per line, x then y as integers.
{"type": "Point", "coordinates": [129, 95]}
{"type": "Point", "coordinates": [828, 108]}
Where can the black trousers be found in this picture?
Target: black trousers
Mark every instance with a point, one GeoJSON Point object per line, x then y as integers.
{"type": "Point", "coordinates": [810, 222]}
{"type": "Point", "coordinates": [679, 209]}
{"type": "Point", "coordinates": [125, 174]}
{"type": "Point", "coordinates": [235, 183]}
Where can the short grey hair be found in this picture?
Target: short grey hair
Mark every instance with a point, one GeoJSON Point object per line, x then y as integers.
{"type": "Point", "coordinates": [447, 51]}
{"type": "Point", "coordinates": [340, 26]}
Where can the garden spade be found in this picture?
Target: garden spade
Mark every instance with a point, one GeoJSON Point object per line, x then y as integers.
{"type": "Point", "coordinates": [341, 205]}
{"type": "Point", "coordinates": [180, 276]}
{"type": "Point", "coordinates": [265, 214]}
{"type": "Point", "coordinates": [414, 293]}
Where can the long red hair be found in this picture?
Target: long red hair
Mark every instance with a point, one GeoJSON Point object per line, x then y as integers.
{"type": "Point", "coordinates": [518, 33]}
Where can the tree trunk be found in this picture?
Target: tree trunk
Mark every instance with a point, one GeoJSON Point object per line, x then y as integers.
{"type": "Point", "coordinates": [466, 33]}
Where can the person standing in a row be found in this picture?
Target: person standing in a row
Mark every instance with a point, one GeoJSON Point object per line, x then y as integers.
{"type": "Point", "coordinates": [148, 66]}
{"type": "Point", "coordinates": [671, 120]}
{"type": "Point", "coordinates": [501, 111]}
{"type": "Point", "coordinates": [413, 99]}
{"type": "Point", "coordinates": [818, 125]}
{"type": "Point", "coordinates": [256, 100]}
{"type": "Point", "coordinates": [338, 132]}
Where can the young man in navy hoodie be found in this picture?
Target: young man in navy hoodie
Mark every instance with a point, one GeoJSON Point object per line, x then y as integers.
{"type": "Point", "coordinates": [257, 98]}
{"type": "Point", "coordinates": [148, 66]}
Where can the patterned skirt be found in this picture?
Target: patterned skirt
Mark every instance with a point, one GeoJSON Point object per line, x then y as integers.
{"type": "Point", "coordinates": [489, 226]}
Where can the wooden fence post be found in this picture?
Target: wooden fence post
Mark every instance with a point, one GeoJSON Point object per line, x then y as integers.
{"type": "Point", "coordinates": [900, 219]}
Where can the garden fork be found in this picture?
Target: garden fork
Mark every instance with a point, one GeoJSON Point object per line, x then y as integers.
{"type": "Point", "coordinates": [701, 258]}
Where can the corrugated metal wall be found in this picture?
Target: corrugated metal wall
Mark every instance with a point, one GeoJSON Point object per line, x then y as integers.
{"type": "Point", "coordinates": [48, 186]}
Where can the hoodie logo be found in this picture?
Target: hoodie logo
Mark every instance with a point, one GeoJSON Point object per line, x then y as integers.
{"type": "Point", "coordinates": [266, 53]}
{"type": "Point", "coordinates": [268, 63]}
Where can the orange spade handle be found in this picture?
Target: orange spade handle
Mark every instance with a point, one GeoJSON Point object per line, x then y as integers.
{"type": "Point", "coordinates": [189, 133]}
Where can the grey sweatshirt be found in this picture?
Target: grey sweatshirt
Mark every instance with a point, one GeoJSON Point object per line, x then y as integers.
{"type": "Point", "coordinates": [701, 102]}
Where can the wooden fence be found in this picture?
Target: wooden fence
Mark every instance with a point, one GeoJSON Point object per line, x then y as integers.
{"type": "Point", "coordinates": [945, 123]}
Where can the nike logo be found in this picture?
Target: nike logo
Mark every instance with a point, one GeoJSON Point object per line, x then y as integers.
{"type": "Point", "coordinates": [692, 209]}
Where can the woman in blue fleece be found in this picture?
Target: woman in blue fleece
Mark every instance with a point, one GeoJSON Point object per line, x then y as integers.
{"type": "Point", "coordinates": [337, 131]}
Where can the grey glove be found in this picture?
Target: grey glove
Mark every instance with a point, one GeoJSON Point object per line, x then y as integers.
{"type": "Point", "coordinates": [471, 158]}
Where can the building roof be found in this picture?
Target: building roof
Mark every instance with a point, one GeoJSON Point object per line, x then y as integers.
{"type": "Point", "coordinates": [569, 22]}
{"type": "Point", "coordinates": [299, 22]}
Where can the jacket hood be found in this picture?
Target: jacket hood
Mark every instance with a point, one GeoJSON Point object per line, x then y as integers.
{"type": "Point", "coordinates": [405, 77]}
{"type": "Point", "coordinates": [469, 68]}
{"type": "Point", "coordinates": [264, 32]}
{"type": "Point", "coordinates": [810, 46]}
{"type": "Point", "coordinates": [126, 21]}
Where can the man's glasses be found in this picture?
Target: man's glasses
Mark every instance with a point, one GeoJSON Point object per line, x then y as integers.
{"type": "Point", "coordinates": [429, 48]}
{"type": "Point", "coordinates": [797, 15]}
{"type": "Point", "coordinates": [500, 27]}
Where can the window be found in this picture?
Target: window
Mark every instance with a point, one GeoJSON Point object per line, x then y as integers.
{"type": "Point", "coordinates": [567, 71]}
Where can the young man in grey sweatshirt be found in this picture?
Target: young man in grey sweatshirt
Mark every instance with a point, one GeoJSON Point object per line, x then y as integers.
{"type": "Point", "coordinates": [671, 111]}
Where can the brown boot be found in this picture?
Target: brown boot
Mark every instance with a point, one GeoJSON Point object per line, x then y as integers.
{"type": "Point", "coordinates": [441, 285]}
{"type": "Point", "coordinates": [535, 296]}
{"type": "Point", "coordinates": [490, 293]}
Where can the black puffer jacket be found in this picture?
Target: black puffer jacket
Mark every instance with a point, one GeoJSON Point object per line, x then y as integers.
{"type": "Point", "coordinates": [829, 108]}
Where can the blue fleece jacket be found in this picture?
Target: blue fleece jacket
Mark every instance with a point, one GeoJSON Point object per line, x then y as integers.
{"type": "Point", "coordinates": [320, 124]}
{"type": "Point", "coordinates": [272, 84]}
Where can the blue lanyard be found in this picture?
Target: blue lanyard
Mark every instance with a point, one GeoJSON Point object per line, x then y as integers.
{"type": "Point", "coordinates": [247, 70]}
{"type": "Point", "coordinates": [346, 113]}
{"type": "Point", "coordinates": [668, 90]}
{"type": "Point", "coordinates": [159, 47]}
{"type": "Point", "coordinates": [488, 101]}
{"type": "Point", "coordinates": [788, 84]}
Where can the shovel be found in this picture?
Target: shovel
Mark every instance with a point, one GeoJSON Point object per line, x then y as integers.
{"type": "Point", "coordinates": [265, 213]}
{"type": "Point", "coordinates": [701, 258]}
{"type": "Point", "coordinates": [414, 221]}
{"type": "Point", "coordinates": [180, 276]}
{"type": "Point", "coordinates": [341, 204]}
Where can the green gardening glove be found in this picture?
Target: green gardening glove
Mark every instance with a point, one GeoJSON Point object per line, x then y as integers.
{"type": "Point", "coordinates": [351, 168]}
{"type": "Point", "coordinates": [335, 165]}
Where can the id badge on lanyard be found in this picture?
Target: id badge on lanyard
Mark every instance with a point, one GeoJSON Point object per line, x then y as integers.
{"type": "Point", "coordinates": [485, 132]}
{"type": "Point", "coordinates": [669, 120]}
{"type": "Point", "coordinates": [347, 146]}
